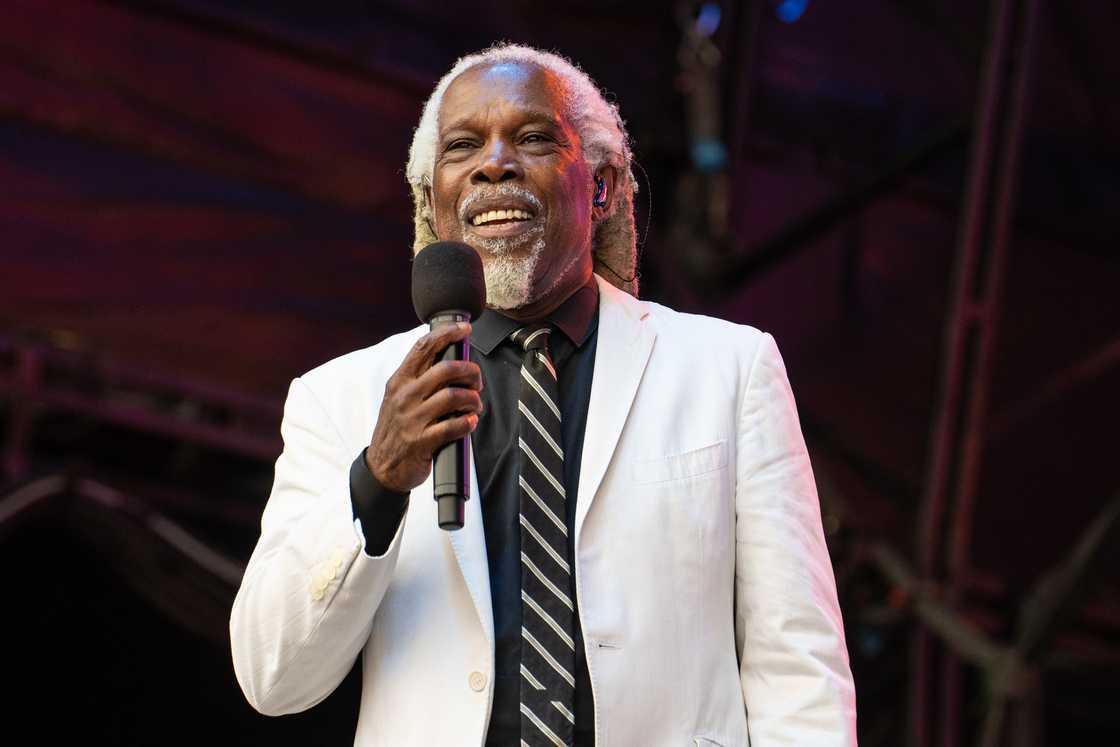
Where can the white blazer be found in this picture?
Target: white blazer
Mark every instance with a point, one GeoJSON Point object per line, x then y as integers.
{"type": "Point", "coordinates": [705, 590]}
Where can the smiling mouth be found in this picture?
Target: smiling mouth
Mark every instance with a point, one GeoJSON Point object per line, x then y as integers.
{"type": "Point", "coordinates": [501, 217]}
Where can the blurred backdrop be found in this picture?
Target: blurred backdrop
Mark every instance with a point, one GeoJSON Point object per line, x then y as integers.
{"type": "Point", "coordinates": [202, 200]}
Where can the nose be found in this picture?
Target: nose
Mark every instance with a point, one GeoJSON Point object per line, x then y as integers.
{"type": "Point", "coordinates": [498, 164]}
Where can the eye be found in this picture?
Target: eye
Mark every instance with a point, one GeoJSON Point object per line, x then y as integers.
{"type": "Point", "coordinates": [458, 144]}
{"type": "Point", "coordinates": [535, 137]}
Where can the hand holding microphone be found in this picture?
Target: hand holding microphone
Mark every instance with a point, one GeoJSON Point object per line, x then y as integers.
{"type": "Point", "coordinates": [432, 401]}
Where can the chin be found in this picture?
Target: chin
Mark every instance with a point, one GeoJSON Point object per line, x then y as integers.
{"type": "Point", "coordinates": [510, 279]}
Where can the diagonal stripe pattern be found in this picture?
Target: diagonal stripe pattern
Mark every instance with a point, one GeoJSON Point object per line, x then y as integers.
{"type": "Point", "coordinates": [547, 646]}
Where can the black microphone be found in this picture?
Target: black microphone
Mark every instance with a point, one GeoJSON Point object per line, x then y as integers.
{"type": "Point", "coordinates": [448, 287]}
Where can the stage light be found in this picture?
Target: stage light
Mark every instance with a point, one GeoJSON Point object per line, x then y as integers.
{"type": "Point", "coordinates": [789, 11]}
{"type": "Point", "coordinates": [709, 155]}
{"type": "Point", "coordinates": [708, 19]}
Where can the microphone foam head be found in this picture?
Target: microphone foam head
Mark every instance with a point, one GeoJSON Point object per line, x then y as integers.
{"type": "Point", "coordinates": [447, 276]}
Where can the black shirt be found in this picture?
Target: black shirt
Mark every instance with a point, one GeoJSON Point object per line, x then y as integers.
{"type": "Point", "coordinates": [494, 444]}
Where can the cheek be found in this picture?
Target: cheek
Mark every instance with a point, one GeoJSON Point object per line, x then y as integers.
{"type": "Point", "coordinates": [447, 225]}
{"type": "Point", "coordinates": [444, 216]}
{"type": "Point", "coordinates": [579, 209]}
{"type": "Point", "coordinates": [577, 194]}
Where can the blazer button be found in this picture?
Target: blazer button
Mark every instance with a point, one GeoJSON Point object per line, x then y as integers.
{"type": "Point", "coordinates": [477, 681]}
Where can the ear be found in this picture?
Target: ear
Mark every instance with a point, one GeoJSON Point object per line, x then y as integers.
{"type": "Point", "coordinates": [609, 175]}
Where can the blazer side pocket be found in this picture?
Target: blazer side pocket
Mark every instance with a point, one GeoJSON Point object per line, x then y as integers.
{"type": "Point", "coordinates": [692, 463]}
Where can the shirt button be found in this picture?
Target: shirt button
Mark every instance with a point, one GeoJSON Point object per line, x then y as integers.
{"type": "Point", "coordinates": [477, 681]}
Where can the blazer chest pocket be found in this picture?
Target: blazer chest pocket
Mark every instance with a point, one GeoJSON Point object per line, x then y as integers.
{"type": "Point", "coordinates": [692, 463]}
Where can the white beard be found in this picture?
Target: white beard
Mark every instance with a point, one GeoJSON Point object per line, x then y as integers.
{"type": "Point", "coordinates": [509, 268]}
{"type": "Point", "coordinates": [510, 278]}
{"type": "Point", "coordinates": [510, 274]}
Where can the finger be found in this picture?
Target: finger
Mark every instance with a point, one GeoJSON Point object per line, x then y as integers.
{"type": "Point", "coordinates": [425, 350]}
{"type": "Point", "coordinates": [446, 431]}
{"type": "Point", "coordinates": [464, 374]}
{"type": "Point", "coordinates": [449, 401]}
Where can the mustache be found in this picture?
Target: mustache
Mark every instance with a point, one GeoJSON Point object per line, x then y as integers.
{"type": "Point", "coordinates": [482, 192]}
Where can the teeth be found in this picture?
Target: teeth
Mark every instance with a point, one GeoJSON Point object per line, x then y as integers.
{"type": "Point", "coordinates": [495, 215]}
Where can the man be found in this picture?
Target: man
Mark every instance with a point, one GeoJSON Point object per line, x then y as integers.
{"type": "Point", "coordinates": [642, 561]}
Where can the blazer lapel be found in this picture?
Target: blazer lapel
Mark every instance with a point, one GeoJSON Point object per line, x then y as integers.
{"type": "Point", "coordinates": [469, 545]}
{"type": "Point", "coordinates": [625, 342]}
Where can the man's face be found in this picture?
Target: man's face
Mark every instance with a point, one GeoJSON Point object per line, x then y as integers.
{"type": "Point", "coordinates": [510, 180]}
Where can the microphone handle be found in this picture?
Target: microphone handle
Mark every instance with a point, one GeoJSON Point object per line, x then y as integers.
{"type": "Point", "coordinates": [451, 463]}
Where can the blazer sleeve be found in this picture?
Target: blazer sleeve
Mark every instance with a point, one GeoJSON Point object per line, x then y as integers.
{"type": "Point", "coordinates": [307, 600]}
{"type": "Point", "coordinates": [797, 684]}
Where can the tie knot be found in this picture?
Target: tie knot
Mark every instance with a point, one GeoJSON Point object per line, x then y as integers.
{"type": "Point", "coordinates": [532, 337]}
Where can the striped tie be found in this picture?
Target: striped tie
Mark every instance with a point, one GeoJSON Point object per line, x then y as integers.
{"type": "Point", "coordinates": [547, 648]}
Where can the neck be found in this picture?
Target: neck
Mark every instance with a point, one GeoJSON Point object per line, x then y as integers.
{"type": "Point", "coordinates": [539, 309]}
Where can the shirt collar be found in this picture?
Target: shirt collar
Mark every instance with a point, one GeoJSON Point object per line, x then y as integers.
{"type": "Point", "coordinates": [576, 318]}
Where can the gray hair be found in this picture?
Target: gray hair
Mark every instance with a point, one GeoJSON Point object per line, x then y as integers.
{"type": "Point", "coordinates": [602, 133]}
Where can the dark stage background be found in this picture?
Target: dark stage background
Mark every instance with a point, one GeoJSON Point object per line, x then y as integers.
{"type": "Point", "coordinates": [203, 199]}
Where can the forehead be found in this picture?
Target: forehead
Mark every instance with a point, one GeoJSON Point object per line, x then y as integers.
{"type": "Point", "coordinates": [509, 88]}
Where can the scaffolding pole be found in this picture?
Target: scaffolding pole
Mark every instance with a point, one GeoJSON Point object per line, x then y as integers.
{"type": "Point", "coordinates": [969, 345]}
